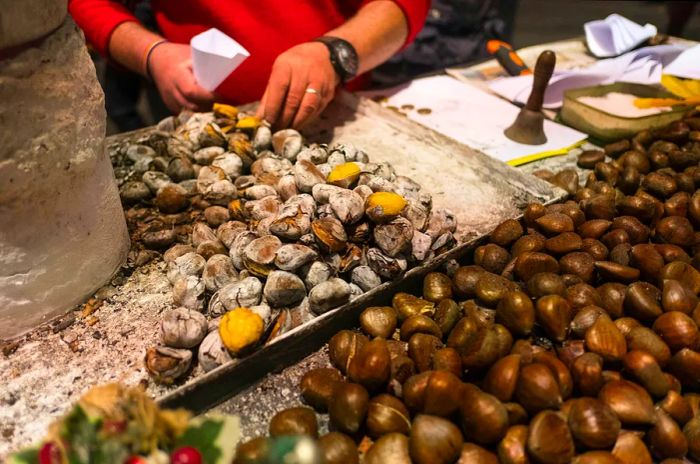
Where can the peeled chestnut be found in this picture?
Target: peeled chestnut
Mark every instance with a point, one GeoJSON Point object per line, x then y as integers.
{"type": "Point", "coordinates": [437, 286]}
{"type": "Point", "coordinates": [484, 418]}
{"type": "Point", "coordinates": [387, 414]}
{"type": "Point", "coordinates": [343, 346]}
{"type": "Point", "coordinates": [434, 440]}
{"type": "Point", "coordinates": [371, 366]}
{"type": "Point", "coordinates": [378, 321]}
{"type": "Point", "coordinates": [294, 421]}
{"type": "Point", "coordinates": [549, 439]}
{"type": "Point", "coordinates": [317, 386]}
{"type": "Point", "coordinates": [338, 448]}
{"type": "Point", "coordinates": [348, 407]}
{"type": "Point", "coordinates": [593, 423]}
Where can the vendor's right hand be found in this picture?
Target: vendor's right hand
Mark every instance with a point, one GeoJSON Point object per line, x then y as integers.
{"type": "Point", "coordinates": [170, 65]}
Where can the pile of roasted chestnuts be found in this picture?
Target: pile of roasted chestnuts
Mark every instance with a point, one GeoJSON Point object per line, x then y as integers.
{"type": "Point", "coordinates": [261, 232]}
{"type": "Point", "coordinates": [571, 336]}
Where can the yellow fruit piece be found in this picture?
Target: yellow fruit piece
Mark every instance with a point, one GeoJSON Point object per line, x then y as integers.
{"type": "Point", "coordinates": [344, 174]}
{"type": "Point", "coordinates": [225, 111]}
{"type": "Point", "coordinates": [240, 329]}
{"type": "Point", "coordinates": [248, 122]}
{"type": "Point", "coordinates": [384, 206]}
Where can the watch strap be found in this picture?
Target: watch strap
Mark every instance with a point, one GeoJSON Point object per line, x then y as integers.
{"type": "Point", "coordinates": [340, 69]}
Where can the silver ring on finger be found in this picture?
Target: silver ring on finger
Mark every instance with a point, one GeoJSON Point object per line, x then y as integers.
{"type": "Point", "coordinates": [311, 90]}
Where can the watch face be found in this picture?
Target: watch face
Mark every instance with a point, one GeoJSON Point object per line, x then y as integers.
{"type": "Point", "coordinates": [347, 57]}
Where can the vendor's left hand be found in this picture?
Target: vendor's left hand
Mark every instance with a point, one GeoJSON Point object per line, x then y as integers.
{"type": "Point", "coordinates": [287, 100]}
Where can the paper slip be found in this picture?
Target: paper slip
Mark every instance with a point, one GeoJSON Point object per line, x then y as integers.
{"type": "Point", "coordinates": [474, 118]}
{"type": "Point", "coordinates": [687, 65]}
{"type": "Point", "coordinates": [214, 56]}
{"type": "Point", "coordinates": [615, 35]}
{"type": "Point", "coordinates": [643, 66]}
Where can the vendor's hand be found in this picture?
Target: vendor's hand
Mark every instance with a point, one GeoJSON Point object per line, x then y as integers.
{"type": "Point", "coordinates": [286, 101]}
{"type": "Point", "coordinates": [171, 68]}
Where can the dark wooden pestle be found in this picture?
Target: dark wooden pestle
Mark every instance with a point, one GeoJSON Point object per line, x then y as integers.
{"type": "Point", "coordinates": [528, 127]}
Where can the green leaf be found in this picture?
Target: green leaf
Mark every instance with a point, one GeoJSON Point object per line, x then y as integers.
{"type": "Point", "coordinates": [26, 456]}
{"type": "Point", "coordinates": [214, 436]}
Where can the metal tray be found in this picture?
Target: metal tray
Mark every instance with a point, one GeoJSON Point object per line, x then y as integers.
{"type": "Point", "coordinates": [481, 191]}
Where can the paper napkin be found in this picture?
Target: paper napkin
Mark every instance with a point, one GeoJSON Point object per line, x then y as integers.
{"type": "Point", "coordinates": [615, 35]}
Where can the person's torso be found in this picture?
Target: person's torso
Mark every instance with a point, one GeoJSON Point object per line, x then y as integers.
{"type": "Point", "coordinates": [265, 28]}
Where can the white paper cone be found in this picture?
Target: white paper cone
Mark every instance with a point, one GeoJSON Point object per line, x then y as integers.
{"type": "Point", "coordinates": [214, 56]}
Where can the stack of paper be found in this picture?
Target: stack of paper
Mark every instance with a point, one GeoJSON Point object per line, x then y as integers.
{"type": "Point", "coordinates": [642, 66]}
{"type": "Point", "coordinates": [474, 118]}
{"type": "Point", "coordinates": [615, 35]}
{"type": "Point", "coordinates": [214, 56]}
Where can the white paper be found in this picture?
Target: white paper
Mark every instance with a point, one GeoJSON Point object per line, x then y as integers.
{"type": "Point", "coordinates": [214, 57]}
{"type": "Point", "coordinates": [643, 66]}
{"type": "Point", "coordinates": [687, 65]}
{"type": "Point", "coordinates": [615, 35]}
{"type": "Point", "coordinates": [472, 117]}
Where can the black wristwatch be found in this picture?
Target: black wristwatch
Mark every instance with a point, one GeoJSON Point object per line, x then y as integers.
{"type": "Point", "coordinates": [343, 56]}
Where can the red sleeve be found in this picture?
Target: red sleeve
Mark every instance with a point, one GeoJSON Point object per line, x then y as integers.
{"type": "Point", "coordinates": [98, 19]}
{"type": "Point", "coordinates": [415, 12]}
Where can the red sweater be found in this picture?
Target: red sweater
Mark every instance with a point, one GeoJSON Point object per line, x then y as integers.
{"type": "Point", "coordinates": [265, 27]}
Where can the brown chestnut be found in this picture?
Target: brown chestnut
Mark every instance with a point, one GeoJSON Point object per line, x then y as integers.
{"type": "Point", "coordinates": [371, 366]}
{"type": "Point", "coordinates": [387, 414]}
{"type": "Point", "coordinates": [347, 408]}
{"type": "Point", "coordinates": [338, 448]}
{"type": "Point", "coordinates": [434, 440]}
{"type": "Point", "coordinates": [438, 286]}
{"type": "Point", "coordinates": [391, 448]}
{"type": "Point", "coordinates": [549, 439]}
{"type": "Point", "coordinates": [294, 421]}
{"type": "Point", "coordinates": [378, 321]}
{"type": "Point", "coordinates": [317, 386]}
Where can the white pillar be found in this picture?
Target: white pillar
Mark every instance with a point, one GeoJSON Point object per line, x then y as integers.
{"type": "Point", "coordinates": [62, 228]}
